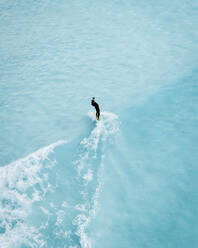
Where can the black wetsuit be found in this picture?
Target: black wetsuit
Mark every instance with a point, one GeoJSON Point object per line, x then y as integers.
{"type": "Point", "coordinates": [93, 103]}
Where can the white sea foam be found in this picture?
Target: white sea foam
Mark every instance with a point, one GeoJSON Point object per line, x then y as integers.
{"type": "Point", "coordinates": [60, 217]}
{"type": "Point", "coordinates": [22, 184]}
{"type": "Point", "coordinates": [108, 125]}
{"type": "Point", "coordinates": [83, 219]}
{"type": "Point", "coordinates": [88, 176]}
{"type": "Point", "coordinates": [65, 204]}
{"type": "Point", "coordinates": [92, 156]}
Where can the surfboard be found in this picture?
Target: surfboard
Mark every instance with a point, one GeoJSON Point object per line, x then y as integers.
{"type": "Point", "coordinates": [98, 119]}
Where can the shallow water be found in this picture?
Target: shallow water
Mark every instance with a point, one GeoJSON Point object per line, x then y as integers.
{"type": "Point", "coordinates": [128, 180]}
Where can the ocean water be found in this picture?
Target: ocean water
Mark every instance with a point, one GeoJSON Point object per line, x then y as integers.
{"type": "Point", "coordinates": [126, 181]}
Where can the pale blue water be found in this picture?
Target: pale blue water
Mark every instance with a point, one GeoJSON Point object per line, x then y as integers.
{"type": "Point", "coordinates": [127, 181]}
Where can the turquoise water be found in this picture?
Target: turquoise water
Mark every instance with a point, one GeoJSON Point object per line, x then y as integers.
{"type": "Point", "coordinates": [129, 180]}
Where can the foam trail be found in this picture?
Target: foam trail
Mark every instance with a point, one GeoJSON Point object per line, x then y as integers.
{"type": "Point", "coordinates": [90, 166]}
{"type": "Point", "coordinates": [22, 184]}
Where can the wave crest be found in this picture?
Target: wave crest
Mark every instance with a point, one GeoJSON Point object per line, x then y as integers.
{"type": "Point", "coordinates": [21, 184]}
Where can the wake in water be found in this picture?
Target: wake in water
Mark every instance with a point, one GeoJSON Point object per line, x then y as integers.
{"type": "Point", "coordinates": [49, 201]}
{"type": "Point", "coordinates": [89, 166]}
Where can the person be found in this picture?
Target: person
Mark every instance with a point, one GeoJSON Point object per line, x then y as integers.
{"type": "Point", "coordinates": [93, 103]}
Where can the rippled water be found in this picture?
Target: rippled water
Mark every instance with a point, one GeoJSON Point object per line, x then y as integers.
{"type": "Point", "coordinates": [128, 180]}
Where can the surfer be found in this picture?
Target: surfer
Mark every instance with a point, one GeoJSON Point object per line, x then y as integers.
{"type": "Point", "coordinates": [93, 103]}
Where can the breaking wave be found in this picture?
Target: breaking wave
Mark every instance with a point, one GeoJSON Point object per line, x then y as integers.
{"type": "Point", "coordinates": [23, 183]}
{"type": "Point", "coordinates": [55, 194]}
